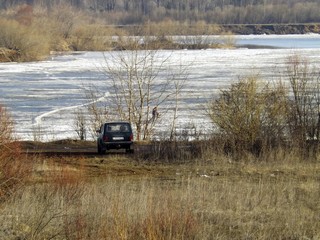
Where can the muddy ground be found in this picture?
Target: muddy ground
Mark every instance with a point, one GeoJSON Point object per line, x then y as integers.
{"type": "Point", "coordinates": [81, 157]}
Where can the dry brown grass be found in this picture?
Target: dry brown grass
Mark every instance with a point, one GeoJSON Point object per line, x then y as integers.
{"type": "Point", "coordinates": [213, 198]}
{"type": "Point", "coordinates": [30, 33]}
{"type": "Point", "coordinates": [90, 38]}
{"type": "Point", "coordinates": [14, 168]}
{"type": "Point", "coordinates": [27, 41]}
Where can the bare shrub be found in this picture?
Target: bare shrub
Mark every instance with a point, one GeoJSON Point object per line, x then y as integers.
{"type": "Point", "coordinates": [64, 17]}
{"type": "Point", "coordinates": [6, 127]}
{"type": "Point", "coordinates": [179, 151]}
{"type": "Point", "coordinates": [80, 124]}
{"type": "Point", "coordinates": [28, 42]}
{"type": "Point", "coordinates": [159, 35]}
{"type": "Point", "coordinates": [37, 132]}
{"type": "Point", "coordinates": [89, 38]}
{"type": "Point", "coordinates": [227, 40]}
{"type": "Point", "coordinates": [57, 26]}
{"type": "Point", "coordinates": [164, 28]}
{"type": "Point", "coordinates": [24, 15]}
{"type": "Point", "coordinates": [195, 37]}
{"type": "Point", "coordinates": [250, 115]}
{"type": "Point", "coordinates": [304, 117]}
{"type": "Point", "coordinates": [13, 168]}
{"type": "Point", "coordinates": [51, 32]}
{"type": "Point", "coordinates": [7, 55]}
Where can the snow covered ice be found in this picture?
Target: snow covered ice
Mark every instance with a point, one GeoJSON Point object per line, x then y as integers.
{"type": "Point", "coordinates": [43, 95]}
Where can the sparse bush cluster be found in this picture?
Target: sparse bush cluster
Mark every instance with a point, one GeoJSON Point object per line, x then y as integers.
{"type": "Point", "coordinates": [251, 115]}
{"type": "Point", "coordinates": [20, 42]}
{"type": "Point", "coordinates": [29, 33]}
{"type": "Point", "coordinates": [256, 116]}
{"type": "Point", "coordinates": [13, 170]}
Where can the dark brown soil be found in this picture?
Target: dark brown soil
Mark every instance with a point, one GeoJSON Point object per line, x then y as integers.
{"type": "Point", "coordinates": [72, 148]}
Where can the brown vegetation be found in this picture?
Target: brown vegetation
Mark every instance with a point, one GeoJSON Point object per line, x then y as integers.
{"type": "Point", "coordinates": [251, 115]}
{"type": "Point", "coordinates": [28, 35]}
{"type": "Point", "coordinates": [169, 190]}
{"type": "Point", "coordinates": [209, 196]}
{"type": "Point", "coordinates": [8, 55]}
{"type": "Point", "coordinates": [30, 32]}
{"type": "Point", "coordinates": [128, 12]}
{"type": "Point", "coordinates": [20, 43]}
{"type": "Point", "coordinates": [166, 190]}
{"type": "Point", "coordinates": [254, 116]}
{"type": "Point", "coordinates": [14, 167]}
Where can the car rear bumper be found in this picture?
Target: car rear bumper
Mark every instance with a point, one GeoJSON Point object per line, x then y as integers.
{"type": "Point", "coordinates": [118, 145]}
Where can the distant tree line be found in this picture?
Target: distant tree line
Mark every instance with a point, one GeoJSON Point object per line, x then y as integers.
{"type": "Point", "coordinates": [211, 11]}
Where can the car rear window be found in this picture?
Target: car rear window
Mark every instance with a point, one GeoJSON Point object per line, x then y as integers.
{"type": "Point", "coordinates": [117, 127]}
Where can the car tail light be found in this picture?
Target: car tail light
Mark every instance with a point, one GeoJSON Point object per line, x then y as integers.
{"type": "Point", "coordinates": [105, 138]}
{"type": "Point", "coordinates": [131, 137]}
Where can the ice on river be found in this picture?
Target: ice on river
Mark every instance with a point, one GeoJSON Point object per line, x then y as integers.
{"type": "Point", "coordinates": [42, 96]}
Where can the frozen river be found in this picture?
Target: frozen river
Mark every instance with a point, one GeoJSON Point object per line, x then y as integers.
{"type": "Point", "coordinates": [42, 96]}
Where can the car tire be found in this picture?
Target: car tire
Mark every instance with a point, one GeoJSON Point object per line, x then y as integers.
{"type": "Point", "coordinates": [100, 150]}
{"type": "Point", "coordinates": [128, 150]}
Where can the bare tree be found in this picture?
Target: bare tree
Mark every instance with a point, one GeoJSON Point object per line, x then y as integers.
{"type": "Point", "coordinates": [65, 19]}
{"type": "Point", "coordinates": [178, 85]}
{"type": "Point", "coordinates": [139, 81]}
{"type": "Point", "coordinates": [305, 102]}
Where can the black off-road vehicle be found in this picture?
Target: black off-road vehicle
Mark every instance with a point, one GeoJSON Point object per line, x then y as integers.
{"type": "Point", "coordinates": [115, 135]}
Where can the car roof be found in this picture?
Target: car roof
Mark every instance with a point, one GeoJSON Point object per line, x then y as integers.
{"type": "Point", "coordinates": [117, 122]}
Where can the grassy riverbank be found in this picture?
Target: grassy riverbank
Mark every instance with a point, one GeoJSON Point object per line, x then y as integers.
{"type": "Point", "coordinates": [35, 41]}
{"type": "Point", "coordinates": [119, 196]}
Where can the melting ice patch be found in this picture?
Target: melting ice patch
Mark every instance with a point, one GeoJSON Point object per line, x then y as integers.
{"type": "Point", "coordinates": [42, 94]}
